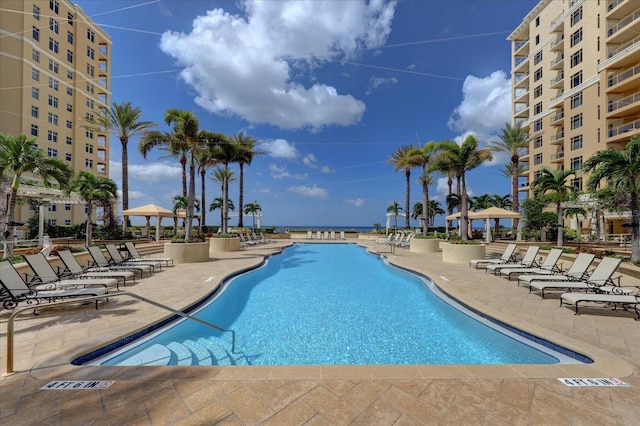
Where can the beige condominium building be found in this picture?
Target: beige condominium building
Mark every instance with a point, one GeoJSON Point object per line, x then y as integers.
{"type": "Point", "coordinates": [576, 84]}
{"type": "Point", "coordinates": [54, 73]}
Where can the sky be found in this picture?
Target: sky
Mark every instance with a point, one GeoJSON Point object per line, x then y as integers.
{"type": "Point", "coordinates": [329, 89]}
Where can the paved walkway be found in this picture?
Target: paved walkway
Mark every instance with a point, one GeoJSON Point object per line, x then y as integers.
{"type": "Point", "coordinates": [374, 395]}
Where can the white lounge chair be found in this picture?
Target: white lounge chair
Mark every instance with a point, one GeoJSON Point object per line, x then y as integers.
{"type": "Point", "coordinates": [136, 256]}
{"type": "Point", "coordinates": [577, 271]}
{"type": "Point", "coordinates": [318, 235]}
{"type": "Point", "coordinates": [100, 261]}
{"type": "Point", "coordinates": [45, 277]}
{"type": "Point", "coordinates": [309, 235]}
{"type": "Point", "coordinates": [612, 300]}
{"type": "Point", "coordinates": [333, 235]}
{"type": "Point", "coordinates": [73, 269]}
{"type": "Point", "coordinates": [117, 259]}
{"type": "Point", "coordinates": [547, 267]}
{"type": "Point", "coordinates": [528, 260]}
{"type": "Point", "coordinates": [342, 237]}
{"type": "Point", "coordinates": [507, 256]}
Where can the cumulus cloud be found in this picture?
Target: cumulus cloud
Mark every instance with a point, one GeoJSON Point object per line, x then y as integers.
{"type": "Point", "coordinates": [278, 148]}
{"type": "Point", "coordinates": [247, 64]}
{"type": "Point", "coordinates": [281, 173]}
{"type": "Point", "coordinates": [310, 160]}
{"type": "Point", "coordinates": [358, 202]}
{"type": "Point", "coordinates": [485, 106]}
{"type": "Point", "coordinates": [152, 172]}
{"type": "Point", "coordinates": [378, 82]}
{"type": "Point", "coordinates": [311, 192]}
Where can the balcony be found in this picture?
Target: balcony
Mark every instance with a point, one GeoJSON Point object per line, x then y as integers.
{"type": "Point", "coordinates": [558, 119]}
{"type": "Point", "coordinates": [520, 96]}
{"type": "Point", "coordinates": [524, 157]}
{"type": "Point", "coordinates": [521, 63]}
{"type": "Point", "coordinates": [557, 24]}
{"type": "Point", "coordinates": [558, 138]}
{"type": "Point", "coordinates": [558, 43]}
{"type": "Point", "coordinates": [625, 29]}
{"type": "Point", "coordinates": [624, 79]}
{"type": "Point", "coordinates": [521, 47]}
{"type": "Point", "coordinates": [618, 9]}
{"type": "Point", "coordinates": [558, 62]}
{"type": "Point", "coordinates": [558, 81]}
{"type": "Point", "coordinates": [622, 132]}
{"type": "Point", "coordinates": [558, 157]}
{"type": "Point", "coordinates": [521, 111]}
{"type": "Point", "coordinates": [522, 80]}
{"type": "Point", "coordinates": [629, 105]}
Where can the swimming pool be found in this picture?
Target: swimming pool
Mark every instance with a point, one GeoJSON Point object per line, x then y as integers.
{"type": "Point", "coordinates": [336, 304]}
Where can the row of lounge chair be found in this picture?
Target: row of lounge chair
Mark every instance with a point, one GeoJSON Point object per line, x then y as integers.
{"type": "Point", "coordinates": [578, 283]}
{"type": "Point", "coordinates": [399, 239]}
{"type": "Point", "coordinates": [73, 280]}
{"type": "Point", "coordinates": [325, 235]}
{"type": "Point", "coordinates": [251, 239]}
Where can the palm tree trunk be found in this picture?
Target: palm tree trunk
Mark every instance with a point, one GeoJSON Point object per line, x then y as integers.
{"type": "Point", "coordinates": [425, 208]}
{"type": "Point", "coordinates": [635, 227]}
{"type": "Point", "coordinates": [241, 196]}
{"type": "Point", "coordinates": [10, 229]}
{"type": "Point", "coordinates": [125, 178]}
{"type": "Point", "coordinates": [183, 163]}
{"type": "Point", "coordinates": [407, 224]}
{"type": "Point", "coordinates": [203, 203]}
{"type": "Point", "coordinates": [225, 204]}
{"type": "Point", "coordinates": [464, 211]}
{"type": "Point", "coordinates": [515, 205]}
{"type": "Point", "coordinates": [88, 226]}
{"type": "Point", "coordinates": [560, 230]}
{"type": "Point", "coordinates": [192, 196]}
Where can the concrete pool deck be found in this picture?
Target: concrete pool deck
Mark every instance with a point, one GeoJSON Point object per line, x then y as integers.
{"type": "Point", "coordinates": [379, 395]}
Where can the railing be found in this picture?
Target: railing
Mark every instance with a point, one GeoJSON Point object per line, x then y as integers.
{"type": "Point", "coordinates": [613, 131]}
{"type": "Point", "coordinates": [520, 43]}
{"type": "Point", "coordinates": [623, 23]}
{"type": "Point", "coordinates": [622, 76]}
{"type": "Point", "coordinates": [557, 79]}
{"type": "Point", "coordinates": [10, 327]}
{"type": "Point", "coordinates": [558, 116]}
{"type": "Point", "coordinates": [557, 156]}
{"type": "Point", "coordinates": [558, 136]}
{"type": "Point", "coordinates": [559, 39]}
{"type": "Point", "coordinates": [612, 4]}
{"type": "Point", "coordinates": [624, 102]}
{"type": "Point", "coordinates": [557, 59]}
{"type": "Point", "coordinates": [625, 46]}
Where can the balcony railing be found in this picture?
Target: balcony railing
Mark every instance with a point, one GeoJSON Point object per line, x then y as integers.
{"type": "Point", "coordinates": [557, 80]}
{"type": "Point", "coordinates": [623, 23]}
{"type": "Point", "coordinates": [519, 44]}
{"type": "Point", "coordinates": [558, 116]}
{"type": "Point", "coordinates": [624, 102]}
{"type": "Point", "coordinates": [612, 4]}
{"type": "Point", "coordinates": [557, 156]}
{"type": "Point", "coordinates": [624, 128]}
{"type": "Point", "coordinates": [558, 59]}
{"type": "Point", "coordinates": [559, 39]}
{"type": "Point", "coordinates": [557, 137]}
{"type": "Point", "coordinates": [622, 76]}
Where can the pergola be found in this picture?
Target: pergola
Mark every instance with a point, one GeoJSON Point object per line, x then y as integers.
{"type": "Point", "coordinates": [487, 215]}
{"type": "Point", "coordinates": [149, 211]}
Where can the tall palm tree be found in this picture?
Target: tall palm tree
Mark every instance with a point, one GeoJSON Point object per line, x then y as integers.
{"type": "Point", "coordinates": [244, 155]}
{"type": "Point", "coordinates": [224, 153]}
{"type": "Point", "coordinates": [19, 156]}
{"type": "Point", "coordinates": [514, 140]}
{"type": "Point", "coordinates": [394, 208]}
{"type": "Point", "coordinates": [123, 122]}
{"type": "Point", "coordinates": [224, 176]}
{"type": "Point", "coordinates": [253, 208]}
{"type": "Point", "coordinates": [404, 159]}
{"type": "Point", "coordinates": [621, 170]}
{"type": "Point", "coordinates": [443, 165]}
{"type": "Point", "coordinates": [434, 210]}
{"type": "Point", "coordinates": [422, 157]}
{"type": "Point", "coordinates": [481, 202]}
{"type": "Point", "coordinates": [93, 189]}
{"type": "Point", "coordinates": [462, 159]}
{"type": "Point", "coordinates": [454, 202]}
{"type": "Point", "coordinates": [218, 203]}
{"type": "Point", "coordinates": [552, 183]}
{"type": "Point", "coordinates": [209, 157]}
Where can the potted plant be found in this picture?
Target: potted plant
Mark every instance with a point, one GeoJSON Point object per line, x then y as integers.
{"type": "Point", "coordinates": [223, 242]}
{"type": "Point", "coordinates": [424, 244]}
{"type": "Point", "coordinates": [196, 249]}
{"type": "Point", "coordinates": [462, 252]}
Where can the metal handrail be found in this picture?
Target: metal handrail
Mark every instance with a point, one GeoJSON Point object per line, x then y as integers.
{"type": "Point", "coordinates": [10, 327]}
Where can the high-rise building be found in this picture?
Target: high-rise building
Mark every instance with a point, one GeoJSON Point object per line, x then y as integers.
{"type": "Point", "coordinates": [54, 74]}
{"type": "Point", "coordinates": [576, 85]}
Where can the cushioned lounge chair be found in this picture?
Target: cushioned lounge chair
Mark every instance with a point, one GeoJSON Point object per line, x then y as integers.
{"type": "Point", "coordinates": [548, 266]}
{"type": "Point", "coordinates": [18, 291]}
{"type": "Point", "coordinates": [101, 262]}
{"type": "Point", "coordinates": [528, 260]}
{"type": "Point", "coordinates": [599, 280]}
{"type": "Point", "coordinates": [507, 256]}
{"type": "Point", "coordinates": [342, 237]}
{"type": "Point", "coordinates": [333, 235]}
{"type": "Point", "coordinates": [136, 256]}
{"type": "Point", "coordinates": [611, 300]}
{"type": "Point", "coordinates": [45, 277]}
{"type": "Point", "coordinates": [118, 260]}
{"type": "Point", "coordinates": [577, 271]}
{"type": "Point", "coordinates": [73, 269]}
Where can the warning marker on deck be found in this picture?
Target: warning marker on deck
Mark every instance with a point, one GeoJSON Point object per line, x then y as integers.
{"type": "Point", "coordinates": [577, 382]}
{"type": "Point", "coordinates": [77, 384]}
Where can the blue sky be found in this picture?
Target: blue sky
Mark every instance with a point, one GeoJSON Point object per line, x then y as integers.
{"type": "Point", "coordinates": [329, 89]}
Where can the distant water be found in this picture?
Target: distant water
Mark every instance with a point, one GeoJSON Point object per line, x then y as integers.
{"type": "Point", "coordinates": [356, 228]}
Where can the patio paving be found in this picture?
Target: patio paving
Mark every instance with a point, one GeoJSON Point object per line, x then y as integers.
{"type": "Point", "coordinates": [321, 395]}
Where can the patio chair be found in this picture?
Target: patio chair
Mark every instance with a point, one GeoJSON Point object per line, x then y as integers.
{"type": "Point", "coordinates": [244, 242]}
{"type": "Point", "coordinates": [613, 300]}
{"type": "Point", "coordinates": [117, 259]}
{"type": "Point", "coordinates": [18, 290]}
{"type": "Point", "coordinates": [253, 237]}
{"type": "Point", "coordinates": [599, 280]}
{"type": "Point", "coordinates": [404, 242]}
{"type": "Point", "coordinates": [73, 269]}
{"type": "Point", "coordinates": [342, 237]}
{"type": "Point", "coordinates": [507, 256]}
{"type": "Point", "coordinates": [264, 239]}
{"type": "Point", "coordinates": [45, 277]}
{"type": "Point", "coordinates": [577, 271]}
{"type": "Point", "coordinates": [318, 235]}
{"type": "Point", "coordinates": [549, 266]}
{"type": "Point", "coordinates": [528, 260]}
{"type": "Point", "coordinates": [135, 255]}
{"type": "Point", "coordinates": [309, 235]}
{"type": "Point", "coordinates": [101, 262]}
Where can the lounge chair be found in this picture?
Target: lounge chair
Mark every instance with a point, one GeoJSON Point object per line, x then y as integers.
{"type": "Point", "coordinates": [325, 235]}
{"type": "Point", "coordinates": [253, 237]}
{"type": "Point", "coordinates": [600, 280]}
{"type": "Point", "coordinates": [507, 256]}
{"type": "Point", "coordinates": [243, 240]}
{"type": "Point", "coordinates": [135, 255]}
{"type": "Point", "coordinates": [333, 235]}
{"type": "Point", "coordinates": [118, 260]}
{"type": "Point", "coordinates": [386, 240]}
{"type": "Point", "coordinates": [73, 269]}
{"type": "Point", "coordinates": [528, 260]}
{"type": "Point", "coordinates": [342, 237]}
{"type": "Point", "coordinates": [614, 300]}
{"type": "Point", "coordinates": [309, 235]}
{"type": "Point", "coordinates": [264, 239]}
{"type": "Point", "coordinates": [404, 243]}
{"type": "Point", "coordinates": [45, 277]}
{"type": "Point", "coordinates": [577, 271]}
{"type": "Point", "coordinates": [18, 291]}
{"type": "Point", "coordinates": [318, 235]}
{"type": "Point", "coordinates": [547, 267]}
{"type": "Point", "coordinates": [100, 261]}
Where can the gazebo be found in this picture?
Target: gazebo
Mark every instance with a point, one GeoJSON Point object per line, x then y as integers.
{"type": "Point", "coordinates": [148, 211]}
{"type": "Point", "coordinates": [487, 215]}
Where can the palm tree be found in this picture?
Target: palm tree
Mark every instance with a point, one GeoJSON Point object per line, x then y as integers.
{"type": "Point", "coordinates": [501, 202]}
{"type": "Point", "coordinates": [481, 202]}
{"type": "Point", "coordinates": [443, 165]}
{"type": "Point", "coordinates": [224, 176]}
{"type": "Point", "coordinates": [253, 208]}
{"type": "Point", "coordinates": [225, 153]}
{"type": "Point", "coordinates": [416, 212]}
{"type": "Point", "coordinates": [17, 157]}
{"type": "Point", "coordinates": [454, 202]}
{"type": "Point", "coordinates": [181, 203]}
{"type": "Point", "coordinates": [621, 170]}
{"type": "Point", "coordinates": [403, 159]}
{"type": "Point", "coordinates": [394, 208]}
{"type": "Point", "coordinates": [461, 159]}
{"type": "Point", "coordinates": [121, 121]}
{"type": "Point", "coordinates": [434, 210]}
{"type": "Point", "coordinates": [552, 183]}
{"type": "Point", "coordinates": [93, 189]}
{"type": "Point", "coordinates": [244, 155]}
{"type": "Point", "coordinates": [514, 140]}
{"type": "Point", "coordinates": [422, 157]}
{"type": "Point", "coordinates": [218, 203]}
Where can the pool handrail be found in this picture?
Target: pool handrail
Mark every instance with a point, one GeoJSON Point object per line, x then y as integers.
{"type": "Point", "coordinates": [18, 311]}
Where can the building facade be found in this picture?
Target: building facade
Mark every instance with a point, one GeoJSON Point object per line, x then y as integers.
{"type": "Point", "coordinates": [576, 85]}
{"type": "Point", "coordinates": [54, 74]}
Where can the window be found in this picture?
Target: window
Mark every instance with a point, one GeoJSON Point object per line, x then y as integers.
{"type": "Point", "coordinates": [576, 100]}
{"type": "Point", "coordinates": [576, 16]}
{"type": "Point", "coordinates": [52, 136]}
{"type": "Point", "coordinates": [537, 141]}
{"type": "Point", "coordinates": [576, 37]}
{"type": "Point", "coordinates": [88, 163]}
{"type": "Point", "coordinates": [35, 93]}
{"type": "Point", "coordinates": [537, 21]}
{"type": "Point", "coordinates": [576, 142]}
{"type": "Point", "coordinates": [35, 56]}
{"type": "Point", "coordinates": [89, 116]}
{"type": "Point", "coordinates": [90, 103]}
{"type": "Point", "coordinates": [576, 79]}
{"type": "Point", "coordinates": [70, 37]}
{"type": "Point", "coordinates": [91, 53]}
{"type": "Point", "coordinates": [53, 5]}
{"type": "Point", "coordinates": [70, 75]}
{"type": "Point", "coordinates": [70, 18]}
{"type": "Point", "coordinates": [69, 91]}
{"type": "Point", "coordinates": [537, 109]}
{"type": "Point", "coordinates": [90, 70]}
{"type": "Point", "coordinates": [34, 111]}
{"type": "Point", "coordinates": [52, 118]}
{"type": "Point", "coordinates": [89, 134]}
{"type": "Point", "coordinates": [52, 222]}
{"type": "Point", "coordinates": [34, 130]}
{"type": "Point", "coordinates": [67, 156]}
{"type": "Point", "coordinates": [53, 83]}
{"type": "Point", "coordinates": [537, 75]}
{"type": "Point", "coordinates": [86, 209]}
{"type": "Point", "coordinates": [69, 56]}
{"type": "Point", "coordinates": [537, 92]}
{"type": "Point", "coordinates": [69, 107]}
{"type": "Point", "coordinates": [53, 66]}
{"type": "Point", "coordinates": [90, 88]}
{"type": "Point", "coordinates": [52, 207]}
{"type": "Point", "coordinates": [537, 159]}
{"type": "Point", "coordinates": [36, 34]}
{"type": "Point", "coordinates": [35, 74]}
{"type": "Point", "coordinates": [576, 163]}
{"type": "Point", "coordinates": [88, 148]}
{"type": "Point", "coordinates": [537, 125]}
{"type": "Point", "coordinates": [90, 35]}
{"type": "Point", "coordinates": [53, 45]}
{"type": "Point", "coordinates": [36, 12]}
{"type": "Point", "coordinates": [53, 101]}
{"type": "Point", "coordinates": [53, 25]}
{"type": "Point", "coordinates": [576, 121]}
{"type": "Point", "coordinates": [68, 140]}
{"type": "Point", "coordinates": [577, 183]}
{"type": "Point", "coordinates": [67, 207]}
{"type": "Point", "coordinates": [67, 222]}
{"type": "Point", "coordinates": [576, 58]}
{"type": "Point", "coordinates": [69, 124]}
{"type": "Point", "coordinates": [537, 58]}
{"type": "Point", "coordinates": [537, 39]}
{"type": "Point", "coordinates": [52, 152]}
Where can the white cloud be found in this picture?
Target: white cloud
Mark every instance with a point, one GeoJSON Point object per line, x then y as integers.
{"type": "Point", "coordinates": [155, 172]}
{"type": "Point", "coordinates": [311, 192]}
{"type": "Point", "coordinates": [358, 202]}
{"type": "Point", "coordinates": [377, 82]}
{"type": "Point", "coordinates": [310, 160]}
{"type": "Point", "coordinates": [278, 148]}
{"type": "Point", "coordinates": [326, 169]}
{"type": "Point", "coordinates": [245, 65]}
{"type": "Point", "coordinates": [485, 106]}
{"type": "Point", "coordinates": [281, 173]}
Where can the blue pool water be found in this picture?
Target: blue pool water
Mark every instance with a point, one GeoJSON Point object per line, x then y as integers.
{"type": "Point", "coordinates": [332, 304]}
